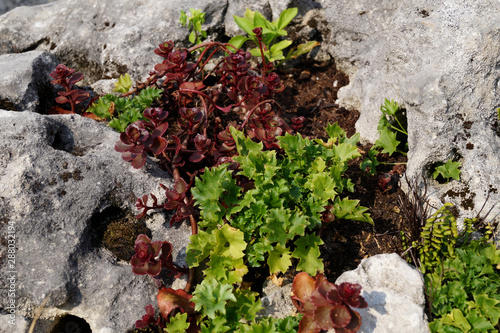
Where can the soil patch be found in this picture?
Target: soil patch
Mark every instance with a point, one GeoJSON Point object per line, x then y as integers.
{"type": "Point", "coordinates": [312, 92]}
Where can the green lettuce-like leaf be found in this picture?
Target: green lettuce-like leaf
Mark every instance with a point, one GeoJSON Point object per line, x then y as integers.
{"type": "Point", "coordinates": [211, 297]}
{"type": "Point", "coordinates": [307, 251]}
{"type": "Point", "coordinates": [279, 259]}
{"type": "Point", "coordinates": [215, 192]}
{"type": "Point", "coordinates": [229, 242]}
{"type": "Point", "coordinates": [177, 323]}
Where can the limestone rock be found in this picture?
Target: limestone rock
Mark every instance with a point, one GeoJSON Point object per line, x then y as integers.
{"type": "Point", "coordinates": [439, 60]}
{"type": "Point", "coordinates": [394, 292]}
{"type": "Point", "coordinates": [61, 179]}
{"type": "Point", "coordinates": [25, 81]}
{"type": "Point", "coordinates": [101, 39]}
{"type": "Point", "coordinates": [6, 5]}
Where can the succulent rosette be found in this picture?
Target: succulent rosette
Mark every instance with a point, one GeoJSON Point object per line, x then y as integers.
{"type": "Point", "coordinates": [326, 305]}
{"type": "Point", "coordinates": [146, 259]}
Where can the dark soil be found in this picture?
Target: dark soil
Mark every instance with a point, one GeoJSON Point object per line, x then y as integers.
{"type": "Point", "coordinates": [312, 92]}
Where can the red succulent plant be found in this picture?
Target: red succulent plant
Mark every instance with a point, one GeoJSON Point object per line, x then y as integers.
{"type": "Point", "coordinates": [326, 305]}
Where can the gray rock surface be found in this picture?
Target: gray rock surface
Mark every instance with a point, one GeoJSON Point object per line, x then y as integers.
{"type": "Point", "coordinates": [25, 81]}
{"type": "Point", "coordinates": [394, 292]}
{"type": "Point", "coordinates": [60, 179]}
{"type": "Point", "coordinates": [6, 5]}
{"type": "Point", "coordinates": [439, 60]}
{"type": "Point", "coordinates": [100, 38]}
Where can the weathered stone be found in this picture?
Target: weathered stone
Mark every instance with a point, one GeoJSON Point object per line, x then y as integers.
{"type": "Point", "coordinates": [394, 292]}
{"type": "Point", "coordinates": [6, 5]}
{"type": "Point", "coordinates": [276, 300]}
{"type": "Point", "coordinates": [25, 81]}
{"type": "Point", "coordinates": [439, 60]}
{"type": "Point", "coordinates": [61, 179]}
{"type": "Point", "coordinates": [99, 38]}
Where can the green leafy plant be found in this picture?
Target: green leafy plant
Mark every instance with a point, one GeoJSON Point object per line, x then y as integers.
{"type": "Point", "coordinates": [119, 111]}
{"type": "Point", "coordinates": [461, 276]}
{"type": "Point", "coordinates": [447, 170]}
{"type": "Point", "coordinates": [271, 33]}
{"type": "Point", "coordinates": [466, 290]}
{"type": "Point", "coordinates": [194, 22]}
{"type": "Point", "coordinates": [392, 128]}
{"type": "Point", "coordinates": [439, 237]}
{"type": "Point", "coordinates": [284, 200]}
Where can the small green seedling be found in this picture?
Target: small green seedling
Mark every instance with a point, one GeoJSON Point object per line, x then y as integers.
{"type": "Point", "coordinates": [194, 22]}
{"type": "Point", "coordinates": [447, 170]}
{"type": "Point", "coordinates": [271, 31]}
{"type": "Point", "coordinates": [391, 126]}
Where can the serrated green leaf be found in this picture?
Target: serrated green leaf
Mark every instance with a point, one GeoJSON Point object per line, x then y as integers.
{"type": "Point", "coordinates": [488, 307]}
{"type": "Point", "coordinates": [226, 269]}
{"type": "Point", "coordinates": [217, 325]}
{"type": "Point", "coordinates": [230, 242]}
{"type": "Point", "coordinates": [346, 151]}
{"type": "Point", "coordinates": [279, 259]}
{"type": "Point", "coordinates": [256, 252]}
{"type": "Point", "coordinates": [210, 298]}
{"type": "Point", "coordinates": [447, 170]}
{"type": "Point", "coordinates": [387, 141]}
{"type": "Point", "coordinates": [147, 96]}
{"type": "Point", "coordinates": [177, 323]}
{"type": "Point", "coordinates": [208, 192]}
{"type": "Point", "coordinates": [275, 228]}
{"type": "Point", "coordinates": [322, 186]}
{"type": "Point", "coordinates": [246, 307]}
{"type": "Point", "coordinates": [200, 247]}
{"type": "Point", "coordinates": [307, 251]}
{"type": "Point", "coordinates": [390, 107]}
{"type": "Point", "coordinates": [124, 83]}
{"type": "Point", "coordinates": [350, 210]}
{"type": "Point", "coordinates": [101, 108]}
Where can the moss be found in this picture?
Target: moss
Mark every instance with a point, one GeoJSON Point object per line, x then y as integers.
{"type": "Point", "coordinates": [120, 236]}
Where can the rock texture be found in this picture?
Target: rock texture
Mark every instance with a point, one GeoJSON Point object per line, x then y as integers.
{"type": "Point", "coordinates": [394, 292]}
{"type": "Point", "coordinates": [25, 81]}
{"type": "Point", "coordinates": [6, 5]}
{"type": "Point", "coordinates": [61, 179]}
{"type": "Point", "coordinates": [439, 60]}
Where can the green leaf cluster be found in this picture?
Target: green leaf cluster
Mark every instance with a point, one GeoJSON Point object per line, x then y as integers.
{"type": "Point", "coordinates": [447, 170]}
{"type": "Point", "coordinates": [461, 275]}
{"type": "Point", "coordinates": [393, 135]}
{"type": "Point", "coordinates": [222, 305]}
{"type": "Point", "coordinates": [439, 237]}
{"type": "Point", "coordinates": [271, 33]}
{"type": "Point", "coordinates": [278, 214]}
{"type": "Point", "coordinates": [194, 22]}
{"type": "Point", "coordinates": [466, 290]}
{"type": "Point", "coordinates": [123, 111]}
